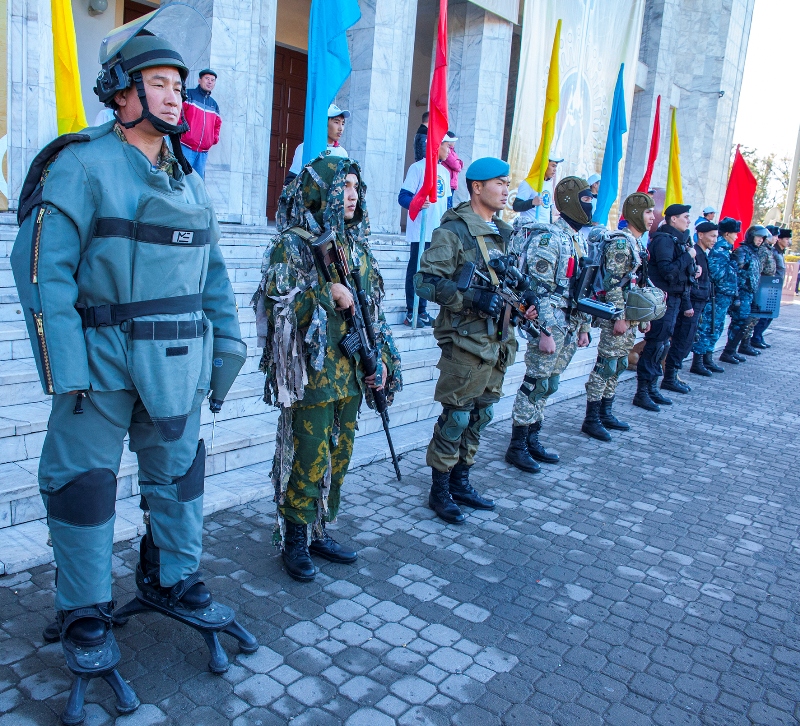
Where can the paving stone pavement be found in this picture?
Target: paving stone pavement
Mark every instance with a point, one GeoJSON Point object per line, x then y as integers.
{"type": "Point", "coordinates": [651, 580]}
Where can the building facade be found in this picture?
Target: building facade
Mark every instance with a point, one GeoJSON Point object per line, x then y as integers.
{"type": "Point", "coordinates": [690, 52]}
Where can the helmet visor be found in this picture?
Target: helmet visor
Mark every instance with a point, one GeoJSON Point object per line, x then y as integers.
{"type": "Point", "coordinates": [180, 25]}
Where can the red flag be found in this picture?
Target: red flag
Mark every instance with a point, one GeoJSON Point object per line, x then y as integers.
{"type": "Point", "coordinates": [437, 123]}
{"type": "Point", "coordinates": [740, 194]}
{"type": "Point", "coordinates": [644, 186]}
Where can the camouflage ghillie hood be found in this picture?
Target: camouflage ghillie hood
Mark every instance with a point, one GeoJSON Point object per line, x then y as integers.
{"type": "Point", "coordinates": [314, 199]}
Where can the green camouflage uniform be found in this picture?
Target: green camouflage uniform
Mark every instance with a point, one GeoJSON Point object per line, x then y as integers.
{"type": "Point", "coordinates": [546, 250]}
{"type": "Point", "coordinates": [474, 357]}
{"type": "Point", "coordinates": [621, 259]}
{"type": "Point", "coordinates": [317, 388]}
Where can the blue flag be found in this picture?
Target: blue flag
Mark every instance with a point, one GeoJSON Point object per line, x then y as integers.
{"type": "Point", "coordinates": [609, 177]}
{"type": "Point", "coordinates": [328, 67]}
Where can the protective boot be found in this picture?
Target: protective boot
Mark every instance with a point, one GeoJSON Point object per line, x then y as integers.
{"type": "Point", "coordinates": [708, 362]}
{"type": "Point", "coordinates": [747, 349]}
{"type": "Point", "coordinates": [440, 501]}
{"type": "Point", "coordinates": [658, 397]}
{"type": "Point", "coordinates": [699, 367]}
{"type": "Point", "coordinates": [642, 398]}
{"type": "Point", "coordinates": [671, 381]}
{"type": "Point", "coordinates": [296, 557]}
{"type": "Point", "coordinates": [538, 451]}
{"type": "Point", "coordinates": [462, 492]}
{"type": "Point", "coordinates": [518, 454]}
{"type": "Point", "coordinates": [729, 353]}
{"type": "Point", "coordinates": [759, 344]}
{"type": "Point", "coordinates": [591, 422]}
{"type": "Point", "coordinates": [327, 547]}
{"type": "Point", "coordinates": [608, 419]}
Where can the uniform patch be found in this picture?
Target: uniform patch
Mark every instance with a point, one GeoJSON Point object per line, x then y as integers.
{"type": "Point", "coordinates": [544, 241]}
{"type": "Point", "coordinates": [621, 244]}
{"type": "Point", "coordinates": [620, 257]}
{"type": "Point", "coordinates": [542, 266]}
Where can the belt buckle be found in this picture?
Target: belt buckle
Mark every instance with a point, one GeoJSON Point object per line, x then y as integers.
{"type": "Point", "coordinates": [102, 316]}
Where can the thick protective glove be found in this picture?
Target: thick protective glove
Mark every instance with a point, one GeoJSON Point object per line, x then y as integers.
{"type": "Point", "coordinates": [484, 301]}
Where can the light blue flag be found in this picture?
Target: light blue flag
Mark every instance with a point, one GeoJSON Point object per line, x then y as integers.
{"type": "Point", "coordinates": [609, 177]}
{"type": "Point", "coordinates": [328, 67]}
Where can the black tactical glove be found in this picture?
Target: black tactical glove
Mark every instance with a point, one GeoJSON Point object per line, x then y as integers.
{"type": "Point", "coordinates": [484, 301]}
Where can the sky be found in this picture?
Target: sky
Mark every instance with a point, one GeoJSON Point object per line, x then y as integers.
{"type": "Point", "coordinates": [769, 81]}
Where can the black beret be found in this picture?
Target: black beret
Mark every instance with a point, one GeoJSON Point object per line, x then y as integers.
{"type": "Point", "coordinates": [705, 227]}
{"type": "Point", "coordinates": [673, 210]}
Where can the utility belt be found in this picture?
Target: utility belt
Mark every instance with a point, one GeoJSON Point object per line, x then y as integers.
{"type": "Point", "coordinates": [101, 316]}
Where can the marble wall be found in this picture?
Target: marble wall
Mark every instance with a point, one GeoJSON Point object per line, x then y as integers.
{"type": "Point", "coordinates": [242, 52]}
{"type": "Point", "coordinates": [480, 51]}
{"type": "Point", "coordinates": [381, 54]}
{"type": "Point", "coordinates": [31, 99]}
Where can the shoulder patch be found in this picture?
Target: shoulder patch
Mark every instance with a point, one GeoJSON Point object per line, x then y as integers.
{"type": "Point", "coordinates": [621, 244]}
{"type": "Point", "coordinates": [544, 240]}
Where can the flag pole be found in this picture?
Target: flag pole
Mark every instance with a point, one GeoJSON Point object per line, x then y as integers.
{"type": "Point", "coordinates": [420, 249]}
{"type": "Point", "coordinates": [792, 190]}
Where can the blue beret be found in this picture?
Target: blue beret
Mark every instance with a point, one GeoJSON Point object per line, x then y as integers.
{"type": "Point", "coordinates": [487, 168]}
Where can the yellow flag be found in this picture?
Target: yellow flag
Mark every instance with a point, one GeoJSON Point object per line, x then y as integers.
{"type": "Point", "coordinates": [535, 176]}
{"type": "Point", "coordinates": [674, 187]}
{"type": "Point", "coordinates": [69, 101]}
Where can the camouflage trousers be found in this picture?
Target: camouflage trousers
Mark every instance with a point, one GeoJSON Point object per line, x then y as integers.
{"type": "Point", "coordinates": [542, 375]}
{"type": "Point", "coordinates": [323, 445]}
{"type": "Point", "coordinates": [467, 388]}
{"type": "Point", "coordinates": [705, 341]}
{"type": "Point", "coordinates": [740, 317]}
{"type": "Point", "coordinates": [612, 359]}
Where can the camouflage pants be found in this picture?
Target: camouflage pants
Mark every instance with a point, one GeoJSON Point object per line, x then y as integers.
{"type": "Point", "coordinates": [612, 359]}
{"type": "Point", "coordinates": [541, 376]}
{"type": "Point", "coordinates": [323, 445]}
{"type": "Point", "coordinates": [467, 388]}
{"type": "Point", "coordinates": [706, 340]}
{"type": "Point", "coordinates": [740, 317]}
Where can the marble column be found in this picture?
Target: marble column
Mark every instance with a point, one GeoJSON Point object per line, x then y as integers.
{"type": "Point", "coordinates": [480, 53]}
{"type": "Point", "coordinates": [31, 121]}
{"type": "Point", "coordinates": [376, 93]}
{"type": "Point", "coordinates": [242, 52]}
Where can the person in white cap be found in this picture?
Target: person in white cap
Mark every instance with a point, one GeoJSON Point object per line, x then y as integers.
{"type": "Point", "coordinates": [336, 120]}
{"type": "Point", "coordinates": [707, 216]}
{"type": "Point", "coordinates": [411, 185]}
{"type": "Point", "coordinates": [536, 206]}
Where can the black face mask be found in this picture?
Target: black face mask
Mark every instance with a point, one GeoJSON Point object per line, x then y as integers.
{"type": "Point", "coordinates": [587, 208]}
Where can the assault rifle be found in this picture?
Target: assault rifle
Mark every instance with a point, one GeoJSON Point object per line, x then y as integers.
{"type": "Point", "coordinates": [360, 336]}
{"type": "Point", "coordinates": [513, 288]}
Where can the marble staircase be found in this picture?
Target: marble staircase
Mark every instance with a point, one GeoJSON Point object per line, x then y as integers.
{"type": "Point", "coordinates": [238, 465]}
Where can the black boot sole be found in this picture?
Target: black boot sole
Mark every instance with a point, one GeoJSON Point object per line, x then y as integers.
{"type": "Point", "coordinates": [297, 576]}
{"type": "Point", "coordinates": [675, 389]}
{"type": "Point", "coordinates": [654, 407]}
{"type": "Point", "coordinates": [531, 470]}
{"type": "Point", "coordinates": [619, 426]}
{"type": "Point", "coordinates": [545, 459]}
{"type": "Point", "coordinates": [598, 436]}
{"type": "Point", "coordinates": [338, 559]}
{"type": "Point", "coordinates": [705, 372]}
{"type": "Point", "coordinates": [469, 503]}
{"type": "Point", "coordinates": [447, 518]}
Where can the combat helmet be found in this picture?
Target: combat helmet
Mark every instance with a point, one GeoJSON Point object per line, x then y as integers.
{"type": "Point", "coordinates": [148, 42]}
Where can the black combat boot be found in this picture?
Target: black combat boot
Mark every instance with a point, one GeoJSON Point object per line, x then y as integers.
{"type": "Point", "coordinates": [440, 501]}
{"type": "Point", "coordinates": [671, 381]}
{"type": "Point", "coordinates": [296, 557]}
{"type": "Point", "coordinates": [708, 362]}
{"type": "Point", "coordinates": [326, 546]}
{"type": "Point", "coordinates": [191, 592]}
{"type": "Point", "coordinates": [699, 366]}
{"type": "Point", "coordinates": [462, 492]}
{"type": "Point", "coordinates": [729, 353]}
{"type": "Point", "coordinates": [518, 454]}
{"type": "Point", "coordinates": [657, 396]}
{"type": "Point", "coordinates": [760, 344]}
{"type": "Point", "coordinates": [538, 451]}
{"type": "Point", "coordinates": [608, 419]}
{"type": "Point", "coordinates": [747, 349]}
{"type": "Point", "coordinates": [591, 422]}
{"type": "Point", "coordinates": [642, 398]}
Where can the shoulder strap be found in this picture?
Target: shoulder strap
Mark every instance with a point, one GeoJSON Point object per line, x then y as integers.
{"type": "Point", "coordinates": [304, 234]}
{"type": "Point", "coordinates": [31, 193]}
{"type": "Point", "coordinates": [485, 254]}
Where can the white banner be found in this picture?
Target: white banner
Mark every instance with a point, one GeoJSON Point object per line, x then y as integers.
{"type": "Point", "coordinates": [506, 9]}
{"type": "Point", "coordinates": [596, 36]}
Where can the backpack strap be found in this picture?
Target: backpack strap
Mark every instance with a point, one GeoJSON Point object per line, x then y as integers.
{"type": "Point", "coordinates": [31, 193]}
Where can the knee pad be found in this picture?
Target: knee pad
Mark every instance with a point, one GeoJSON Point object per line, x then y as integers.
{"type": "Point", "coordinates": [622, 364]}
{"type": "Point", "coordinates": [88, 500]}
{"type": "Point", "coordinates": [192, 484]}
{"type": "Point", "coordinates": [605, 368]}
{"type": "Point", "coordinates": [452, 424]}
{"type": "Point", "coordinates": [552, 384]}
{"type": "Point", "coordinates": [535, 388]}
{"type": "Point", "coordinates": [480, 418]}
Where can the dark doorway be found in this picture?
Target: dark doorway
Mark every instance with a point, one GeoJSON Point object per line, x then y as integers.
{"type": "Point", "coordinates": [288, 117]}
{"type": "Point", "coordinates": [133, 11]}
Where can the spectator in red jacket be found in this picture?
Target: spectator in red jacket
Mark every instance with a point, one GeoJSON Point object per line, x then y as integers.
{"type": "Point", "coordinates": [202, 114]}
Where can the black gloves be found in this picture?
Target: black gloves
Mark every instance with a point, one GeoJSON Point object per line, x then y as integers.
{"type": "Point", "coordinates": [484, 301]}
